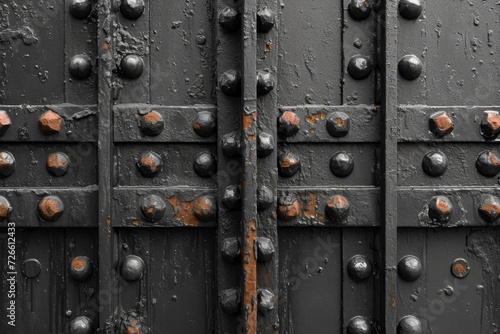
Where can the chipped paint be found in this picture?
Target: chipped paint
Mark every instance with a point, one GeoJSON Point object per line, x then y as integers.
{"type": "Point", "coordinates": [184, 211]}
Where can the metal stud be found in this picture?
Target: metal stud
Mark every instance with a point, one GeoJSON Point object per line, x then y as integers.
{"type": "Point", "coordinates": [132, 268]}
{"type": "Point", "coordinates": [440, 209]}
{"type": "Point", "coordinates": [232, 197]}
{"type": "Point", "coordinates": [265, 20]}
{"type": "Point", "coordinates": [435, 163]}
{"type": "Point", "coordinates": [410, 268]}
{"type": "Point", "coordinates": [5, 208]}
{"type": "Point", "coordinates": [132, 9]}
{"type": "Point", "coordinates": [58, 164]}
{"type": "Point", "coordinates": [265, 301]}
{"type": "Point", "coordinates": [5, 122]}
{"type": "Point", "coordinates": [230, 301]}
{"type": "Point", "coordinates": [50, 123]}
{"type": "Point", "coordinates": [230, 249]}
{"type": "Point", "coordinates": [205, 208]}
{"type": "Point", "coordinates": [80, 9]}
{"type": "Point", "coordinates": [359, 325]}
{"type": "Point", "coordinates": [81, 325]}
{"type": "Point", "coordinates": [149, 164]}
{"type": "Point", "coordinates": [488, 164]}
{"type": "Point", "coordinates": [410, 9]}
{"type": "Point", "coordinates": [341, 164]}
{"type": "Point", "coordinates": [7, 164]}
{"type": "Point", "coordinates": [410, 67]}
{"type": "Point", "coordinates": [230, 83]}
{"type": "Point", "coordinates": [265, 197]}
{"type": "Point", "coordinates": [410, 325]}
{"type": "Point", "coordinates": [337, 209]}
{"type": "Point", "coordinates": [80, 67]}
{"type": "Point", "coordinates": [359, 9]}
{"type": "Point", "coordinates": [230, 19]}
{"type": "Point", "coordinates": [288, 164]}
{"type": "Point", "coordinates": [132, 66]}
{"type": "Point", "coordinates": [338, 124]}
{"type": "Point", "coordinates": [80, 268]}
{"type": "Point", "coordinates": [359, 268]}
{"type": "Point", "coordinates": [460, 268]}
{"type": "Point", "coordinates": [31, 268]}
{"type": "Point", "coordinates": [265, 82]}
{"type": "Point", "coordinates": [288, 124]}
{"type": "Point", "coordinates": [231, 144]}
{"type": "Point", "coordinates": [359, 66]}
{"type": "Point", "coordinates": [490, 124]}
{"type": "Point", "coordinates": [489, 208]}
{"type": "Point", "coordinates": [265, 249]}
{"type": "Point", "coordinates": [205, 124]}
{"type": "Point", "coordinates": [205, 165]}
{"type": "Point", "coordinates": [265, 144]}
{"type": "Point", "coordinates": [440, 124]}
{"type": "Point", "coordinates": [50, 208]}
{"type": "Point", "coordinates": [153, 207]}
{"type": "Point", "coordinates": [288, 207]}
{"type": "Point", "coordinates": [152, 123]}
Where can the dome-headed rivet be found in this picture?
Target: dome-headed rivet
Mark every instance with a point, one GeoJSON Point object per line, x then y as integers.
{"type": "Point", "coordinates": [489, 208]}
{"type": "Point", "coordinates": [230, 249]}
{"type": "Point", "coordinates": [5, 122]}
{"type": "Point", "coordinates": [265, 300]}
{"type": "Point", "coordinates": [288, 124]}
{"type": "Point", "coordinates": [5, 208]}
{"type": "Point", "coordinates": [80, 9]}
{"type": "Point", "coordinates": [359, 9]}
{"type": "Point", "coordinates": [231, 144]}
{"type": "Point", "coordinates": [341, 164]}
{"type": "Point", "coordinates": [265, 144]}
{"type": "Point", "coordinates": [232, 197]}
{"type": "Point", "coordinates": [230, 19]}
{"type": "Point", "coordinates": [132, 268]}
{"type": "Point", "coordinates": [359, 268]}
{"type": "Point", "coordinates": [230, 83]}
{"type": "Point", "coordinates": [205, 124]}
{"type": "Point", "coordinates": [80, 268]}
{"type": "Point", "coordinates": [288, 164]}
{"type": "Point", "coordinates": [50, 208]}
{"type": "Point", "coordinates": [359, 325]}
{"type": "Point", "coordinates": [488, 163]}
{"type": "Point", "coordinates": [460, 268]}
{"type": "Point", "coordinates": [265, 20]}
{"type": "Point", "coordinates": [81, 325]}
{"type": "Point", "coordinates": [490, 124]}
{"type": "Point", "coordinates": [410, 67]}
{"type": "Point", "coordinates": [410, 268]}
{"type": "Point", "coordinates": [7, 164]}
{"type": "Point", "coordinates": [265, 197]}
{"type": "Point", "coordinates": [205, 208]}
{"type": "Point", "coordinates": [288, 207]}
{"type": "Point", "coordinates": [31, 268]}
{"type": "Point", "coordinates": [265, 249]}
{"type": "Point", "coordinates": [58, 164]}
{"type": "Point", "coordinates": [337, 209]}
{"type": "Point", "coordinates": [152, 123]}
{"type": "Point", "coordinates": [410, 9]}
{"type": "Point", "coordinates": [132, 66]}
{"type": "Point", "coordinates": [265, 82]}
{"type": "Point", "coordinates": [410, 325]}
{"type": "Point", "coordinates": [149, 164]}
{"type": "Point", "coordinates": [80, 67]}
{"type": "Point", "coordinates": [435, 163]}
{"type": "Point", "coordinates": [359, 67]}
{"type": "Point", "coordinates": [440, 209]}
{"type": "Point", "coordinates": [338, 124]}
{"type": "Point", "coordinates": [50, 123]}
{"type": "Point", "coordinates": [230, 301]}
{"type": "Point", "coordinates": [132, 9]}
{"type": "Point", "coordinates": [205, 165]}
{"type": "Point", "coordinates": [440, 124]}
{"type": "Point", "coordinates": [153, 207]}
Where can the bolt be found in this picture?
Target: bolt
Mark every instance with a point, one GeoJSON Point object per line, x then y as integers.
{"type": "Point", "coordinates": [265, 299]}
{"type": "Point", "coordinates": [205, 124]}
{"type": "Point", "coordinates": [231, 144]}
{"type": "Point", "coordinates": [265, 20]}
{"type": "Point", "coordinates": [265, 249]}
{"type": "Point", "coordinates": [410, 67]}
{"type": "Point", "coordinates": [149, 164]}
{"type": "Point", "coordinates": [440, 124]}
{"type": "Point", "coordinates": [359, 67]}
{"type": "Point", "coordinates": [132, 9]}
{"type": "Point", "coordinates": [288, 164]}
{"type": "Point", "coordinates": [409, 325]}
{"type": "Point", "coordinates": [5, 122]}
{"type": "Point", "coordinates": [7, 164]}
{"type": "Point", "coordinates": [338, 208]}
{"type": "Point", "coordinates": [50, 123]}
{"type": "Point", "coordinates": [230, 19]}
{"type": "Point", "coordinates": [5, 208]}
{"type": "Point", "coordinates": [230, 249]}
{"type": "Point", "coordinates": [410, 268]}
{"type": "Point", "coordinates": [232, 197]}
{"type": "Point", "coordinates": [490, 124]}
{"type": "Point", "coordinates": [265, 197]}
{"type": "Point", "coordinates": [80, 67]}
{"type": "Point", "coordinates": [132, 268]}
{"type": "Point", "coordinates": [153, 207]}
{"type": "Point", "coordinates": [338, 124]}
{"type": "Point", "coordinates": [81, 325]}
{"type": "Point", "coordinates": [80, 268]}
{"type": "Point", "coordinates": [230, 83]}
{"type": "Point", "coordinates": [205, 208]}
{"type": "Point", "coordinates": [265, 82]}
{"type": "Point", "coordinates": [58, 164]}
{"type": "Point", "coordinates": [205, 165]}
{"type": "Point", "coordinates": [341, 164]}
{"type": "Point", "coordinates": [288, 124]}
{"type": "Point", "coordinates": [50, 208]}
{"type": "Point", "coordinates": [410, 9]}
{"type": "Point", "coordinates": [489, 209]}
{"type": "Point", "coordinates": [132, 66]}
{"type": "Point", "coordinates": [434, 163]}
{"type": "Point", "coordinates": [359, 268]}
{"type": "Point", "coordinates": [152, 123]}
{"type": "Point", "coordinates": [460, 268]}
{"type": "Point", "coordinates": [488, 164]}
{"type": "Point", "coordinates": [31, 268]}
{"type": "Point", "coordinates": [359, 9]}
{"type": "Point", "coordinates": [80, 9]}
{"type": "Point", "coordinates": [440, 209]}
{"type": "Point", "coordinates": [288, 208]}
{"type": "Point", "coordinates": [265, 144]}
{"type": "Point", "coordinates": [230, 301]}
{"type": "Point", "coordinates": [359, 325]}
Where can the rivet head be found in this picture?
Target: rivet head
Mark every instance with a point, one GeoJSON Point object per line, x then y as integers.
{"type": "Point", "coordinates": [81, 325]}
{"type": "Point", "coordinates": [265, 20]}
{"type": "Point", "coordinates": [460, 268]}
{"type": "Point", "coordinates": [58, 164]}
{"type": "Point", "coordinates": [132, 66]}
{"type": "Point", "coordinates": [288, 207]}
{"type": "Point", "coordinates": [488, 163]}
{"type": "Point", "coordinates": [265, 197]}
{"type": "Point", "coordinates": [230, 83]}
{"type": "Point", "coordinates": [410, 9]}
{"type": "Point", "coordinates": [80, 9]}
{"type": "Point", "coordinates": [440, 124]}
{"type": "Point", "coordinates": [80, 67]}
{"type": "Point", "coordinates": [288, 164]}
{"type": "Point", "coordinates": [341, 164]}
{"type": "Point", "coordinates": [410, 325]}
{"type": "Point", "coordinates": [265, 144]}
{"type": "Point", "coordinates": [265, 249]}
{"type": "Point", "coordinates": [359, 268]}
{"type": "Point", "coordinates": [50, 123]}
{"type": "Point", "coordinates": [7, 164]}
{"type": "Point", "coordinates": [132, 9]}
{"type": "Point", "coordinates": [5, 208]}
{"type": "Point", "coordinates": [490, 124]}
{"type": "Point", "coordinates": [80, 268]}
{"type": "Point", "coordinates": [149, 164]}
{"type": "Point", "coordinates": [337, 209]}
{"type": "Point", "coordinates": [288, 124]}
{"type": "Point", "coordinates": [230, 19]}
{"type": "Point", "coordinates": [230, 249]}
{"type": "Point", "coordinates": [153, 207]}
{"type": "Point", "coordinates": [440, 209]}
{"type": "Point", "coordinates": [265, 82]}
{"type": "Point", "coordinates": [132, 268]}
{"type": "Point", "coordinates": [230, 301]}
{"type": "Point", "coordinates": [152, 123]}
{"type": "Point", "coordinates": [205, 208]}
{"type": "Point", "coordinates": [359, 9]}
{"type": "Point", "coordinates": [5, 122]}
{"type": "Point", "coordinates": [231, 144]}
{"type": "Point", "coordinates": [435, 163]}
{"type": "Point", "coordinates": [359, 67]}
{"type": "Point", "coordinates": [205, 124]}
{"type": "Point", "coordinates": [205, 165]}
{"type": "Point", "coordinates": [338, 124]}
{"type": "Point", "coordinates": [50, 208]}
{"type": "Point", "coordinates": [359, 325]}
{"type": "Point", "coordinates": [489, 208]}
{"type": "Point", "coordinates": [265, 300]}
{"type": "Point", "coordinates": [31, 268]}
{"type": "Point", "coordinates": [410, 67]}
{"type": "Point", "coordinates": [232, 197]}
{"type": "Point", "coordinates": [410, 268]}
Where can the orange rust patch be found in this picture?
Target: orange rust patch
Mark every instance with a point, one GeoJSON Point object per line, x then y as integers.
{"type": "Point", "coordinates": [290, 117]}
{"type": "Point", "coordinates": [250, 279]}
{"type": "Point", "coordinates": [494, 159]}
{"type": "Point", "coordinates": [105, 45]}
{"type": "Point", "coordinates": [184, 211]}
{"type": "Point", "coordinates": [443, 122]}
{"type": "Point", "coordinates": [4, 211]}
{"type": "Point", "coordinates": [135, 222]}
{"type": "Point", "coordinates": [393, 302]}
{"type": "Point", "coordinates": [3, 162]}
{"type": "Point", "coordinates": [152, 117]}
{"type": "Point", "coordinates": [287, 162]}
{"type": "Point", "coordinates": [49, 207]}
{"type": "Point", "coordinates": [53, 162]}
{"type": "Point", "coordinates": [339, 121]}
{"type": "Point", "coordinates": [311, 206]}
{"type": "Point", "coordinates": [442, 206]}
{"type": "Point", "coordinates": [248, 121]}
{"type": "Point", "coordinates": [494, 120]}
{"type": "Point", "coordinates": [491, 208]}
{"type": "Point", "coordinates": [78, 264]}
{"type": "Point", "coordinates": [4, 119]}
{"type": "Point", "coordinates": [196, 126]}
{"type": "Point", "coordinates": [269, 45]}
{"type": "Point", "coordinates": [289, 211]}
{"type": "Point", "coordinates": [148, 161]}
{"type": "Point", "coordinates": [460, 268]}
{"type": "Point", "coordinates": [315, 117]}
{"type": "Point", "coordinates": [133, 330]}
{"type": "Point", "coordinates": [338, 202]}
{"type": "Point", "coordinates": [252, 137]}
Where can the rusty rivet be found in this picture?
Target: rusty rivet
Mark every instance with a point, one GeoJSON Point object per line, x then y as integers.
{"type": "Point", "coordinates": [58, 164]}
{"type": "Point", "coordinates": [80, 67]}
{"type": "Point", "coordinates": [410, 67]}
{"type": "Point", "coordinates": [31, 268]}
{"type": "Point", "coordinates": [7, 164]}
{"type": "Point", "coordinates": [435, 163]}
{"type": "Point", "coordinates": [81, 325]}
{"type": "Point", "coordinates": [5, 208]}
{"type": "Point", "coordinates": [205, 208]}
{"type": "Point", "coordinates": [409, 325]}
{"type": "Point", "coordinates": [230, 83]}
{"type": "Point", "coordinates": [288, 124]}
{"type": "Point", "coordinates": [80, 268]}
{"type": "Point", "coordinates": [205, 124]}
{"type": "Point", "coordinates": [265, 82]}
{"type": "Point", "coordinates": [231, 144]}
{"type": "Point", "coordinates": [489, 208]}
{"type": "Point", "coordinates": [337, 209]}
{"type": "Point", "coordinates": [265, 144]}
{"type": "Point", "coordinates": [338, 124]}
{"type": "Point", "coordinates": [440, 124]}
{"type": "Point", "coordinates": [460, 268]}
{"type": "Point", "coordinates": [410, 9]}
{"type": "Point", "coordinates": [230, 19]}
{"type": "Point", "coordinates": [152, 123]}
{"type": "Point", "coordinates": [50, 208]}
{"type": "Point", "coordinates": [230, 249]}
{"type": "Point", "coordinates": [440, 209]}
{"type": "Point", "coordinates": [153, 207]}
{"type": "Point", "coordinates": [205, 165]}
{"type": "Point", "coordinates": [265, 300]}
{"type": "Point", "coordinates": [232, 197]}
{"type": "Point", "coordinates": [149, 164]}
{"type": "Point", "coordinates": [50, 123]}
{"type": "Point", "coordinates": [359, 67]}
{"type": "Point", "coordinates": [490, 124]}
{"type": "Point", "coordinates": [410, 268]}
{"type": "Point", "coordinates": [359, 325]}
{"type": "Point", "coordinates": [359, 268]}
{"type": "Point", "coordinates": [80, 9]}
{"type": "Point", "coordinates": [359, 9]}
{"type": "Point", "coordinates": [341, 164]}
{"type": "Point", "coordinates": [265, 249]}
{"type": "Point", "coordinates": [265, 197]}
{"type": "Point", "coordinates": [5, 122]}
{"type": "Point", "coordinates": [132, 66]}
{"type": "Point", "coordinates": [230, 301]}
{"type": "Point", "coordinates": [132, 9]}
{"type": "Point", "coordinates": [488, 163]}
{"type": "Point", "coordinates": [288, 207]}
{"type": "Point", "coordinates": [288, 164]}
{"type": "Point", "coordinates": [265, 20]}
{"type": "Point", "coordinates": [132, 268]}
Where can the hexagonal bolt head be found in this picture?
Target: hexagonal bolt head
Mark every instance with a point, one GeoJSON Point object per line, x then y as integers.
{"type": "Point", "coordinates": [490, 124]}
{"type": "Point", "coordinates": [410, 9]}
{"type": "Point", "coordinates": [489, 208]}
{"type": "Point", "coordinates": [230, 301]}
{"type": "Point", "coordinates": [288, 208]}
{"type": "Point", "coordinates": [5, 122]}
{"type": "Point", "coordinates": [288, 124]}
{"type": "Point", "coordinates": [265, 20]}
{"type": "Point", "coordinates": [230, 19]}
{"type": "Point", "coordinates": [132, 9]}
{"type": "Point", "coordinates": [410, 268]}
{"type": "Point", "coordinates": [265, 144]}
{"type": "Point", "coordinates": [50, 208]}
{"type": "Point", "coordinates": [230, 249]}
{"type": "Point", "coordinates": [81, 325]}
{"type": "Point", "coordinates": [410, 325]}
{"type": "Point", "coordinates": [232, 197]}
{"type": "Point", "coordinates": [205, 123]}
{"type": "Point", "coordinates": [265, 82]}
{"type": "Point", "coordinates": [359, 268]}
{"type": "Point", "coordinates": [266, 300]}
{"type": "Point", "coordinates": [231, 144]}
{"type": "Point", "coordinates": [440, 209]}
{"type": "Point", "coordinates": [410, 67]}
{"type": "Point", "coordinates": [7, 164]}
{"type": "Point", "coordinates": [359, 9]}
{"type": "Point", "coordinates": [205, 208]}
{"type": "Point", "coordinates": [265, 197]}
{"type": "Point", "coordinates": [359, 325]}
{"type": "Point", "coordinates": [5, 208]}
{"type": "Point", "coordinates": [338, 124]}
{"type": "Point", "coordinates": [149, 164]}
{"type": "Point", "coordinates": [50, 123]}
{"type": "Point", "coordinates": [440, 124]}
{"type": "Point", "coordinates": [80, 268]}
{"type": "Point", "coordinates": [265, 249]}
{"type": "Point", "coordinates": [153, 208]}
{"type": "Point", "coordinates": [205, 165]}
{"type": "Point", "coordinates": [288, 164]}
{"type": "Point", "coordinates": [488, 164]}
{"type": "Point", "coordinates": [152, 123]}
{"type": "Point", "coordinates": [338, 208]}
{"type": "Point", "coordinates": [230, 83]}
{"type": "Point", "coordinates": [132, 268]}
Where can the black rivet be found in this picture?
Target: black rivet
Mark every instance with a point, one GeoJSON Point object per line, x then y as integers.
{"type": "Point", "coordinates": [265, 197]}
{"type": "Point", "coordinates": [337, 209]}
{"type": "Point", "coordinates": [410, 9]}
{"type": "Point", "coordinates": [359, 9]}
{"type": "Point", "coordinates": [132, 268]}
{"type": "Point", "coordinates": [5, 122]}
{"type": "Point", "coordinates": [435, 163]}
{"type": "Point", "coordinates": [132, 66]}
{"type": "Point", "coordinates": [50, 208]}
{"type": "Point", "coordinates": [460, 268]}
{"type": "Point", "coordinates": [152, 123]}
{"type": "Point", "coordinates": [232, 197]}
{"type": "Point", "coordinates": [490, 124]}
{"type": "Point", "coordinates": [149, 164]}
{"type": "Point", "coordinates": [80, 67]}
{"type": "Point", "coordinates": [5, 208]}
{"type": "Point", "coordinates": [230, 83]}
{"type": "Point", "coordinates": [230, 249]}
{"type": "Point", "coordinates": [31, 268]}
{"type": "Point", "coordinates": [265, 249]}
{"type": "Point", "coordinates": [288, 207]}
{"type": "Point", "coordinates": [80, 9]}
{"type": "Point", "coordinates": [132, 9]}
{"type": "Point", "coordinates": [81, 325]}
{"type": "Point", "coordinates": [205, 165]}
{"type": "Point", "coordinates": [359, 268]}
{"type": "Point", "coordinates": [440, 124]}
{"type": "Point", "coordinates": [288, 164]}
{"type": "Point", "coordinates": [410, 67]}
{"type": "Point", "coordinates": [80, 268]}
{"type": "Point", "coordinates": [410, 268]}
{"type": "Point", "coordinates": [265, 82]}
{"type": "Point", "coordinates": [338, 124]}
{"type": "Point", "coordinates": [489, 208]}
{"type": "Point", "coordinates": [488, 164]}
{"type": "Point", "coordinates": [205, 208]}
{"type": "Point", "coordinates": [7, 164]}
{"type": "Point", "coordinates": [231, 144]}
{"type": "Point", "coordinates": [409, 325]}
{"type": "Point", "coordinates": [288, 124]}
{"type": "Point", "coordinates": [205, 124]}
{"type": "Point", "coordinates": [440, 209]}
{"type": "Point", "coordinates": [265, 20]}
{"type": "Point", "coordinates": [359, 325]}
{"type": "Point", "coordinates": [230, 19]}
{"type": "Point", "coordinates": [58, 164]}
{"type": "Point", "coordinates": [265, 300]}
{"type": "Point", "coordinates": [341, 164]}
{"type": "Point", "coordinates": [230, 301]}
{"type": "Point", "coordinates": [153, 207]}
{"type": "Point", "coordinates": [265, 144]}
{"type": "Point", "coordinates": [359, 67]}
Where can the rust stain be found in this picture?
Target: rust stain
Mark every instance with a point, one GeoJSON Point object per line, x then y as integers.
{"type": "Point", "coordinates": [196, 126]}
{"type": "Point", "coordinates": [105, 45]}
{"type": "Point", "coordinates": [288, 212]}
{"type": "Point", "coordinates": [269, 45]}
{"type": "Point", "coordinates": [393, 302]}
{"type": "Point", "coordinates": [250, 270]}
{"type": "Point", "coordinates": [133, 330]}
{"type": "Point", "coordinates": [152, 117]}
{"type": "Point", "coordinates": [494, 120]}
{"type": "Point", "coordinates": [135, 222]}
{"type": "Point", "coordinates": [339, 121]}
{"type": "Point", "coordinates": [108, 225]}
{"type": "Point", "coordinates": [494, 159]}
{"type": "Point", "coordinates": [442, 206]}
{"type": "Point", "coordinates": [78, 264]}
{"type": "Point", "coordinates": [49, 208]}
{"type": "Point", "coordinates": [443, 122]}
{"type": "Point", "coordinates": [312, 206]}
{"type": "Point", "coordinates": [287, 162]}
{"type": "Point", "coordinates": [54, 162]}
{"type": "Point", "coordinates": [492, 208]}
{"type": "Point", "coordinates": [50, 121]}
{"type": "Point", "coordinates": [4, 211]}
{"type": "Point", "coordinates": [312, 131]}
{"type": "Point", "coordinates": [148, 161]}
{"type": "Point", "coordinates": [248, 121]}
{"type": "Point", "coordinates": [184, 211]}
{"type": "Point", "coordinates": [460, 268]}
{"type": "Point", "coordinates": [290, 117]}
{"type": "Point", "coordinates": [252, 137]}
{"type": "Point", "coordinates": [315, 117]}
{"type": "Point", "coordinates": [338, 202]}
